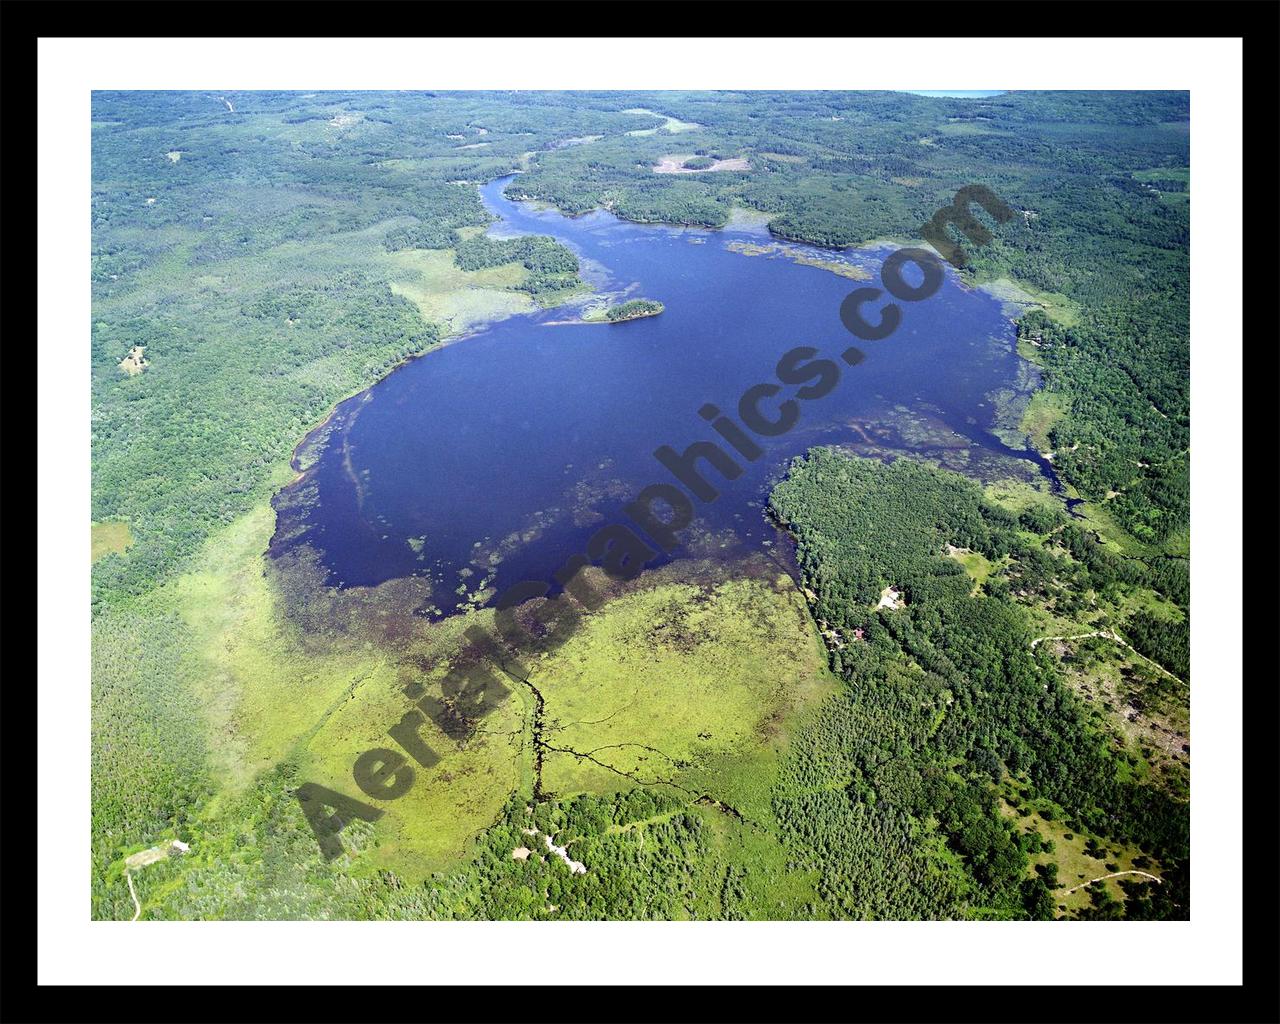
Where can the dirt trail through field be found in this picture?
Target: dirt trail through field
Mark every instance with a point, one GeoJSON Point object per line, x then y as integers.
{"type": "Point", "coordinates": [1114, 874]}
{"type": "Point", "coordinates": [141, 859]}
{"type": "Point", "coordinates": [129, 878]}
{"type": "Point", "coordinates": [1078, 636]}
{"type": "Point", "coordinates": [1107, 634]}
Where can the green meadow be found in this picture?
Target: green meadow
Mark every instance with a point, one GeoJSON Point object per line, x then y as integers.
{"type": "Point", "coordinates": [109, 539]}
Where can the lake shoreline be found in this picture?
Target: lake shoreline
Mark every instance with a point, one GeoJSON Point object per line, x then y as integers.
{"type": "Point", "coordinates": [555, 519]}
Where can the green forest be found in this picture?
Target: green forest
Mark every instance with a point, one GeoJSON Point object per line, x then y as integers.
{"type": "Point", "coordinates": [271, 254]}
{"type": "Point", "coordinates": [946, 696]}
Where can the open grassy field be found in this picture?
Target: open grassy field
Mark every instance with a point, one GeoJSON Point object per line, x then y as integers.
{"type": "Point", "coordinates": [273, 693]}
{"type": "Point", "coordinates": [691, 684]}
{"type": "Point", "coordinates": [1079, 856]}
{"type": "Point", "coordinates": [109, 538]}
{"type": "Point", "coordinates": [976, 564]}
{"type": "Point", "coordinates": [1018, 495]}
{"type": "Point", "coordinates": [666, 681]}
{"type": "Point", "coordinates": [1156, 177]}
{"type": "Point", "coordinates": [1145, 712]}
{"type": "Point", "coordinates": [1021, 294]}
{"type": "Point", "coordinates": [1044, 410]}
{"type": "Point", "coordinates": [459, 299]}
{"type": "Point", "coordinates": [1182, 174]}
{"type": "Point", "coordinates": [670, 124]}
{"type": "Point", "coordinates": [1116, 538]}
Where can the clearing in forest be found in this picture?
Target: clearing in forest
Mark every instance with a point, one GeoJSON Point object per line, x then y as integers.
{"type": "Point", "coordinates": [677, 163]}
{"type": "Point", "coordinates": [112, 537]}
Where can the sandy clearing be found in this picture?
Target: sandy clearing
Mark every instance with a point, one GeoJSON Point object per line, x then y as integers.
{"type": "Point", "coordinates": [674, 164]}
{"type": "Point", "coordinates": [141, 859]}
{"type": "Point", "coordinates": [134, 363]}
{"type": "Point", "coordinates": [575, 867]}
{"type": "Point", "coordinates": [890, 598]}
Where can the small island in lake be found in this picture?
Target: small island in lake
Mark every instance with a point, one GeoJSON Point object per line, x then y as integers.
{"type": "Point", "coordinates": [632, 310]}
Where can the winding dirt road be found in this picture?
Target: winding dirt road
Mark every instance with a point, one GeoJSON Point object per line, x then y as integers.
{"type": "Point", "coordinates": [1107, 634]}
{"type": "Point", "coordinates": [129, 878]}
{"type": "Point", "coordinates": [1114, 874]}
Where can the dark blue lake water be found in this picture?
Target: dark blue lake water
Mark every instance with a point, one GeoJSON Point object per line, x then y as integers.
{"type": "Point", "coordinates": [493, 459]}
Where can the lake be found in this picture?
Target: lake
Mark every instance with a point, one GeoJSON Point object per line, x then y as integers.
{"type": "Point", "coordinates": [492, 459]}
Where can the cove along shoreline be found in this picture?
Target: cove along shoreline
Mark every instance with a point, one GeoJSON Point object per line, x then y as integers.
{"type": "Point", "coordinates": [313, 435]}
{"type": "Point", "coordinates": [307, 452]}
